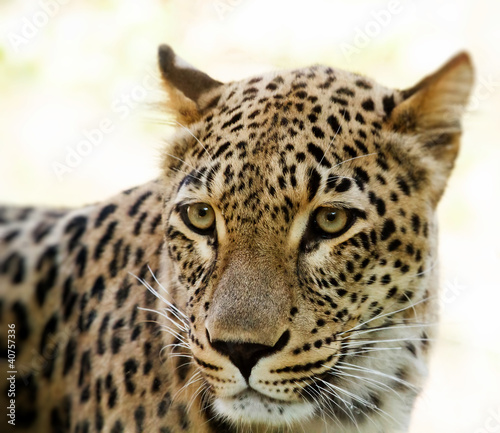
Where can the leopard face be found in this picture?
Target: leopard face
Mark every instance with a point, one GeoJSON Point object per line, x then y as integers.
{"type": "Point", "coordinates": [301, 238]}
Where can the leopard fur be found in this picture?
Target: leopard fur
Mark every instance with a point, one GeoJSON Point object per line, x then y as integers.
{"type": "Point", "coordinates": [127, 319]}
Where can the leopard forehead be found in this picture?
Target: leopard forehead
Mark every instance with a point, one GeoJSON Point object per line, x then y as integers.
{"type": "Point", "coordinates": [287, 135]}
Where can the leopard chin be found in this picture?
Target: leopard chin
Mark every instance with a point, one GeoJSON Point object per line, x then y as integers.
{"type": "Point", "coordinates": [252, 407]}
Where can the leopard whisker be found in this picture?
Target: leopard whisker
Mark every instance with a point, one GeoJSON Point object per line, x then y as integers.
{"type": "Point", "coordinates": [197, 392]}
{"type": "Point", "coordinates": [390, 328]}
{"type": "Point", "coordinates": [331, 390]}
{"type": "Point", "coordinates": [329, 145]}
{"type": "Point", "coordinates": [337, 371]}
{"type": "Point", "coordinates": [349, 366]}
{"type": "Point", "coordinates": [363, 401]}
{"type": "Point", "coordinates": [177, 170]}
{"type": "Point", "coordinates": [170, 304]}
{"type": "Point", "coordinates": [321, 400]}
{"type": "Point", "coordinates": [194, 378]}
{"type": "Point", "coordinates": [196, 138]}
{"type": "Point", "coordinates": [354, 341]}
{"type": "Point", "coordinates": [181, 327]}
{"type": "Point", "coordinates": [356, 157]}
{"type": "Point", "coordinates": [379, 316]}
{"type": "Point", "coordinates": [189, 165]}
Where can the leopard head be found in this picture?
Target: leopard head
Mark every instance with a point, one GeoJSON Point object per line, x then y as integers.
{"type": "Point", "coordinates": [301, 237]}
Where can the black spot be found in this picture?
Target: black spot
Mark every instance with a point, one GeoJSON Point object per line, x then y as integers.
{"type": "Point", "coordinates": [46, 283]}
{"type": "Point", "coordinates": [116, 344]}
{"type": "Point", "coordinates": [122, 293]}
{"type": "Point", "coordinates": [345, 91]}
{"type": "Point", "coordinates": [313, 183]}
{"type": "Point", "coordinates": [81, 260]}
{"type": "Point", "coordinates": [164, 405]}
{"type": "Point", "coordinates": [345, 114]}
{"type": "Point", "coordinates": [359, 118]}
{"type": "Point", "coordinates": [139, 415]}
{"type": "Point", "coordinates": [301, 157]}
{"type": "Point", "coordinates": [388, 229]}
{"type": "Point", "coordinates": [14, 264]}
{"type": "Point", "coordinates": [350, 151]}
{"type": "Point", "coordinates": [318, 132]}
{"type": "Point", "coordinates": [135, 207]}
{"type": "Point", "coordinates": [394, 245]}
{"type": "Point", "coordinates": [117, 427]}
{"type": "Point", "coordinates": [41, 230]}
{"type": "Point", "coordinates": [343, 186]}
{"type": "Point", "coordinates": [386, 279]}
{"type": "Point", "coordinates": [85, 395]}
{"type": "Point", "coordinates": [415, 223]}
{"type": "Point", "coordinates": [85, 367]}
{"type": "Point", "coordinates": [389, 104]}
{"type": "Point", "coordinates": [69, 355]}
{"type": "Point", "coordinates": [10, 235]}
{"type": "Point", "coordinates": [222, 148]}
{"type": "Point", "coordinates": [98, 288]}
{"type": "Point", "coordinates": [318, 154]}
{"type": "Point", "coordinates": [380, 207]}
{"type": "Point", "coordinates": [411, 348]}
{"type": "Point", "coordinates": [99, 420]}
{"type": "Point", "coordinates": [155, 222]}
{"type": "Point", "coordinates": [76, 227]}
{"type": "Point", "coordinates": [105, 239]}
{"type": "Point", "coordinates": [361, 176]}
{"type": "Point", "coordinates": [403, 186]}
{"type": "Point", "coordinates": [155, 386]}
{"type": "Point", "coordinates": [129, 370]}
{"type": "Point", "coordinates": [139, 222]}
{"type": "Point", "coordinates": [183, 417]}
{"type": "Point", "coordinates": [391, 292]}
{"type": "Point", "coordinates": [331, 182]}
{"type": "Point", "coordinates": [368, 104]}
{"type": "Point", "coordinates": [232, 121]}
{"type": "Point", "coordinates": [69, 298]}
{"type": "Point", "coordinates": [363, 84]}
{"type": "Point", "coordinates": [334, 124]}
{"type": "Point", "coordinates": [48, 331]}
{"type": "Point", "coordinates": [101, 347]}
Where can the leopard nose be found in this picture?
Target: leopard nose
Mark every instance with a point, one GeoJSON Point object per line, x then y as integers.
{"type": "Point", "coordinates": [246, 355]}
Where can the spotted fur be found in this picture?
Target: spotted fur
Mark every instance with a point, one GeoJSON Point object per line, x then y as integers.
{"type": "Point", "coordinates": [128, 320]}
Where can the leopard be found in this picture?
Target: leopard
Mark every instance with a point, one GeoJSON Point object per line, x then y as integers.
{"type": "Point", "coordinates": [279, 274]}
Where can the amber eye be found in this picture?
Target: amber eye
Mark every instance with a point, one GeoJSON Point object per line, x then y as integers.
{"type": "Point", "coordinates": [200, 217]}
{"type": "Point", "coordinates": [332, 221]}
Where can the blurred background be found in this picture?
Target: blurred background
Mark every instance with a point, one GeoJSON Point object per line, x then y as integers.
{"type": "Point", "coordinates": [78, 80]}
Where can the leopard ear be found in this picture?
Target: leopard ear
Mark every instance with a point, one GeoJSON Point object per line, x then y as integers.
{"type": "Point", "coordinates": [432, 110]}
{"type": "Point", "coordinates": [190, 91]}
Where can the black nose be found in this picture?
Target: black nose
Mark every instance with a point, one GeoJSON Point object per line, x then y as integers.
{"type": "Point", "coordinates": [246, 355]}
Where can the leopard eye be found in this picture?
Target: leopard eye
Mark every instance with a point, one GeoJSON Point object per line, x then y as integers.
{"type": "Point", "coordinates": [199, 217]}
{"type": "Point", "coordinates": [331, 222]}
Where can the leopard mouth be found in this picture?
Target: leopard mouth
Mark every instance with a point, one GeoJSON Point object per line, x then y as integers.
{"type": "Point", "coordinates": [251, 406]}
